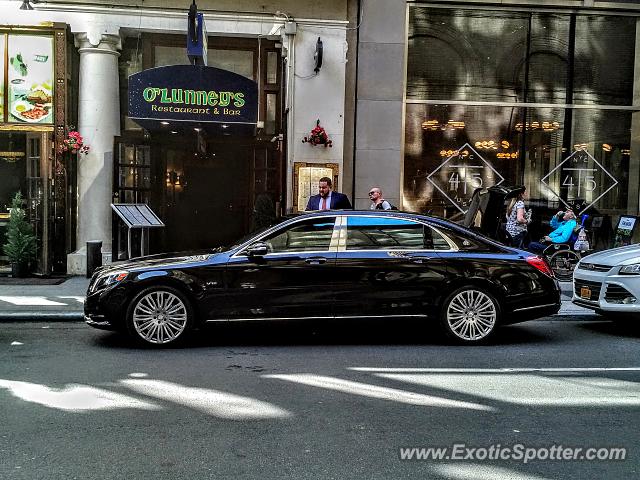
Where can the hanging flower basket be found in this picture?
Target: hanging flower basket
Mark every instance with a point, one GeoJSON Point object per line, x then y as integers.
{"type": "Point", "coordinates": [318, 136]}
{"type": "Point", "coordinates": [74, 144]}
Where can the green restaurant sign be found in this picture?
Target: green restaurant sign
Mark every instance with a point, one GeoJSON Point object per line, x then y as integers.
{"type": "Point", "coordinates": [188, 93]}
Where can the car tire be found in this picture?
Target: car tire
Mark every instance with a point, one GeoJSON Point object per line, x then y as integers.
{"type": "Point", "coordinates": [470, 315]}
{"type": "Point", "coordinates": [159, 316]}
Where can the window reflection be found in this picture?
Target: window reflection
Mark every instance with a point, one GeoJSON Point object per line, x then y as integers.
{"type": "Point", "coordinates": [548, 60]}
{"type": "Point", "coordinates": [605, 59]}
{"type": "Point", "coordinates": [548, 66]}
{"type": "Point", "coordinates": [465, 55]}
{"type": "Point", "coordinates": [471, 147]}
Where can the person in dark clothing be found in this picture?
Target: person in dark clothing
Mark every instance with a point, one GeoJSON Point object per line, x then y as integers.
{"type": "Point", "coordinates": [327, 199]}
{"type": "Point", "coordinates": [264, 212]}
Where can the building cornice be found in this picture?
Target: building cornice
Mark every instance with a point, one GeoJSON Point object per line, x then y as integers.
{"type": "Point", "coordinates": [175, 14]}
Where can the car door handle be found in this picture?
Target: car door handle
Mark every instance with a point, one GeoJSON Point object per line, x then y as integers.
{"type": "Point", "coordinates": [420, 260]}
{"type": "Point", "coordinates": [316, 260]}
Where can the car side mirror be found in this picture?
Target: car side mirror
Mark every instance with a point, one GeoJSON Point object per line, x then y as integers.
{"type": "Point", "coordinates": [258, 249]}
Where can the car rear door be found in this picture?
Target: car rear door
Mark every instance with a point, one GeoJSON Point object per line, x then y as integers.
{"type": "Point", "coordinates": [387, 266]}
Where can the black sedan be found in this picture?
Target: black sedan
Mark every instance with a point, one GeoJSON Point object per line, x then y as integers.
{"type": "Point", "coordinates": [327, 265]}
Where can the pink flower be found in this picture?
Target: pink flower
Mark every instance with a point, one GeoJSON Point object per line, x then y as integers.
{"type": "Point", "coordinates": [74, 143]}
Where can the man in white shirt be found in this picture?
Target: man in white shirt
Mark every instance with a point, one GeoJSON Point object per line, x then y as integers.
{"type": "Point", "coordinates": [378, 201]}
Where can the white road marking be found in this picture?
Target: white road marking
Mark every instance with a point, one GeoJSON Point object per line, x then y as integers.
{"type": "Point", "coordinates": [530, 389]}
{"type": "Point", "coordinates": [74, 398]}
{"type": "Point", "coordinates": [479, 471]}
{"type": "Point", "coordinates": [31, 300]}
{"type": "Point", "coordinates": [212, 402]}
{"type": "Point", "coordinates": [73, 297]}
{"type": "Point", "coordinates": [493, 370]}
{"type": "Point", "coordinates": [379, 393]}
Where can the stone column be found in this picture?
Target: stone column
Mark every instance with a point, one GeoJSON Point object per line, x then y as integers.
{"type": "Point", "coordinates": [98, 123]}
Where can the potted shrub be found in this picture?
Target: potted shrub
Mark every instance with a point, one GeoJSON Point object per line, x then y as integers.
{"type": "Point", "coordinates": [21, 242]}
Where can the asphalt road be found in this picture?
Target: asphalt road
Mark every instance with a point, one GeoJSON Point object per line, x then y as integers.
{"type": "Point", "coordinates": [316, 402]}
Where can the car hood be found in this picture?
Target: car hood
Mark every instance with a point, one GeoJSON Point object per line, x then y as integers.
{"type": "Point", "coordinates": [617, 256]}
{"type": "Point", "coordinates": [162, 260]}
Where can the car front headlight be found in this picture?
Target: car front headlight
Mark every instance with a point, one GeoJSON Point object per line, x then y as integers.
{"type": "Point", "coordinates": [631, 269]}
{"type": "Point", "coordinates": [108, 279]}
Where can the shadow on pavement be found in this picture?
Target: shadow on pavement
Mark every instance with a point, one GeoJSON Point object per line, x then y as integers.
{"type": "Point", "coordinates": [361, 332]}
{"type": "Point", "coordinates": [623, 327]}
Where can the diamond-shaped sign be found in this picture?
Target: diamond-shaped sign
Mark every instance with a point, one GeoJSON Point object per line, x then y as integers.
{"type": "Point", "coordinates": [460, 174]}
{"type": "Point", "coordinates": [581, 177]}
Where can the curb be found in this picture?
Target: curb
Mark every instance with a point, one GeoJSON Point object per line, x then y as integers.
{"type": "Point", "coordinates": [42, 316]}
{"type": "Point", "coordinates": [577, 317]}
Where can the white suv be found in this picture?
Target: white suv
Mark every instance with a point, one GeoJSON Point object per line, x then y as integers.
{"type": "Point", "coordinates": [609, 281]}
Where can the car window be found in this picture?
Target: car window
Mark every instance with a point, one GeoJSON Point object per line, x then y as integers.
{"type": "Point", "coordinates": [309, 235]}
{"type": "Point", "coordinates": [376, 233]}
{"type": "Point", "coordinates": [434, 240]}
{"type": "Point", "coordinates": [464, 242]}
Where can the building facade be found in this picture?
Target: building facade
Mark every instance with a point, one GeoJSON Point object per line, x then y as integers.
{"type": "Point", "coordinates": [453, 96]}
{"type": "Point", "coordinates": [203, 183]}
{"type": "Point", "coordinates": [427, 100]}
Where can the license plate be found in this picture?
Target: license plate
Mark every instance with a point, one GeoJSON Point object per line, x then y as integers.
{"type": "Point", "coordinates": [585, 292]}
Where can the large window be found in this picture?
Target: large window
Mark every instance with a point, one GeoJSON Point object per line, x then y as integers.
{"type": "Point", "coordinates": [540, 99]}
{"type": "Point", "coordinates": [236, 61]}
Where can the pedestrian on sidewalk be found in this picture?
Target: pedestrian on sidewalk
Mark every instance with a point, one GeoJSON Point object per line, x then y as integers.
{"type": "Point", "coordinates": [377, 200]}
{"type": "Point", "coordinates": [327, 199]}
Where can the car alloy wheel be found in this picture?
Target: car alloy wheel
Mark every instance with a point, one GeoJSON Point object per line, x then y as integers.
{"type": "Point", "coordinates": [160, 316]}
{"type": "Point", "coordinates": [470, 315]}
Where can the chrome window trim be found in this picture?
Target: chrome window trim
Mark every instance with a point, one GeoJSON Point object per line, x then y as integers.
{"type": "Point", "coordinates": [283, 225]}
{"type": "Point", "coordinates": [249, 319]}
{"type": "Point", "coordinates": [342, 246]}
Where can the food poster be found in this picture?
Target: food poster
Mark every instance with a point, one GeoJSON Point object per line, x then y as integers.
{"type": "Point", "coordinates": [30, 79]}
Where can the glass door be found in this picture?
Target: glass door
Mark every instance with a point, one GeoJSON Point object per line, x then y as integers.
{"type": "Point", "coordinates": [25, 168]}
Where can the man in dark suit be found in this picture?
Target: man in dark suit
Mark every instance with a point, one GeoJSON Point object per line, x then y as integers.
{"type": "Point", "coordinates": [328, 199]}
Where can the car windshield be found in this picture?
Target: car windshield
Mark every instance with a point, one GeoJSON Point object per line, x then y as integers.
{"type": "Point", "coordinates": [252, 234]}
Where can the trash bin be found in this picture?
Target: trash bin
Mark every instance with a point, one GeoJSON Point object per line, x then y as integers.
{"type": "Point", "coordinates": [94, 256]}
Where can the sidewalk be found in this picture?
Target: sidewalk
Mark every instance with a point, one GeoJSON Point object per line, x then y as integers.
{"type": "Point", "coordinates": [64, 302]}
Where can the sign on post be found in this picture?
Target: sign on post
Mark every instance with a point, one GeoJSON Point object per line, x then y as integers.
{"type": "Point", "coordinates": [624, 231]}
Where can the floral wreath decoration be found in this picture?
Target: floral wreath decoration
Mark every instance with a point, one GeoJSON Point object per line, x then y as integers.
{"type": "Point", "coordinates": [318, 136]}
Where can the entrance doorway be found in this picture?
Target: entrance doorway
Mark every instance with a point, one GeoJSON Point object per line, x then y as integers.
{"type": "Point", "coordinates": [25, 168]}
{"type": "Point", "coordinates": [207, 202]}
{"type": "Point", "coordinates": [206, 197]}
